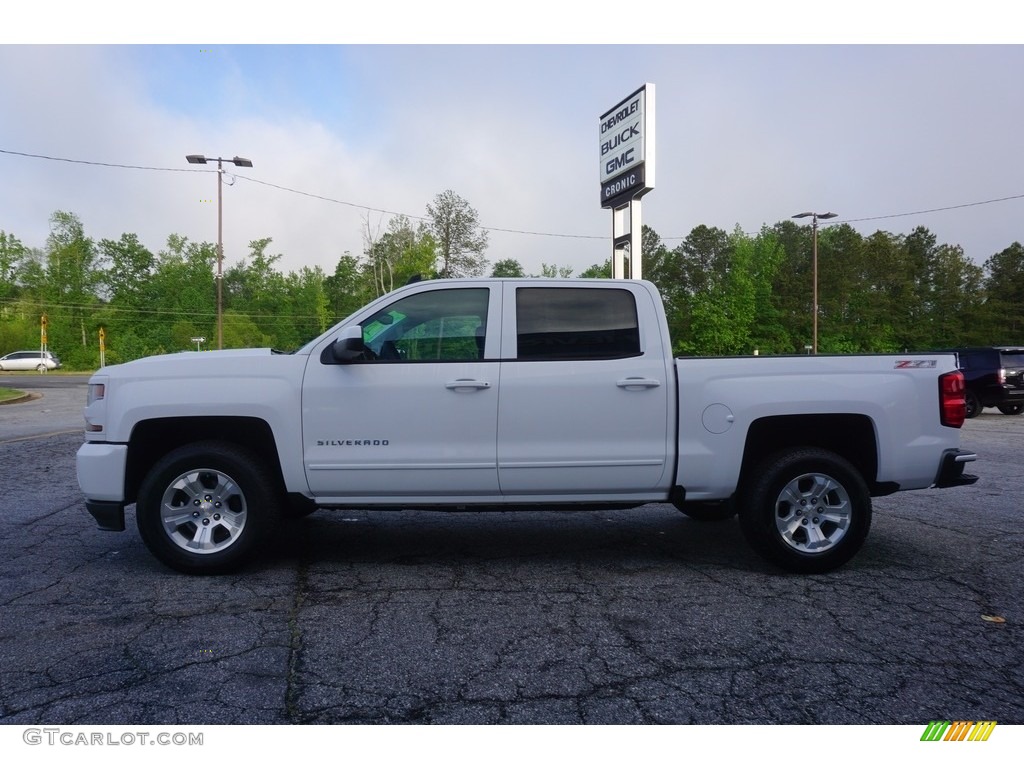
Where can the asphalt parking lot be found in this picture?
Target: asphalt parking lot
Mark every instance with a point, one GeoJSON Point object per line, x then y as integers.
{"type": "Point", "coordinates": [630, 617]}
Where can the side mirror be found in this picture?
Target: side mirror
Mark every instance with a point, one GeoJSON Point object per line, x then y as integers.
{"type": "Point", "coordinates": [349, 345]}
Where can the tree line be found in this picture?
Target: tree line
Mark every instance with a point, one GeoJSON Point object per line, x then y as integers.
{"type": "Point", "coordinates": [724, 292]}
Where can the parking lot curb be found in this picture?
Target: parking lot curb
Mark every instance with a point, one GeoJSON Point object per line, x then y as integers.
{"type": "Point", "coordinates": [23, 399]}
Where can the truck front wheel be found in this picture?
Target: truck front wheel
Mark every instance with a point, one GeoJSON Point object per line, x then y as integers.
{"type": "Point", "coordinates": [203, 508]}
{"type": "Point", "coordinates": [807, 510]}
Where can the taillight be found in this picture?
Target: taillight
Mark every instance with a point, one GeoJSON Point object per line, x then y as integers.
{"type": "Point", "coordinates": [952, 399]}
{"type": "Point", "coordinates": [1002, 376]}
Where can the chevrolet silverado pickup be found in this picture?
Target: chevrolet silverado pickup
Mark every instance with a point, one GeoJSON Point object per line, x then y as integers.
{"type": "Point", "coordinates": [513, 394]}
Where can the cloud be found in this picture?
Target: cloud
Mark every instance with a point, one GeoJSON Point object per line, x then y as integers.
{"type": "Point", "coordinates": [745, 135]}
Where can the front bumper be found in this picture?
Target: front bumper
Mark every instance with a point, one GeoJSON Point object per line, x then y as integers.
{"type": "Point", "coordinates": [109, 515]}
{"type": "Point", "coordinates": [951, 469]}
{"type": "Point", "coordinates": [101, 470]}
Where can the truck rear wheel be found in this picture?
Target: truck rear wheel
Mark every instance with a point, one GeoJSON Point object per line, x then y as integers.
{"type": "Point", "coordinates": [807, 510]}
{"type": "Point", "coordinates": [204, 507]}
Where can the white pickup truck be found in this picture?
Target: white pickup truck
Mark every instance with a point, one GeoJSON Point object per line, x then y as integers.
{"type": "Point", "coordinates": [512, 394]}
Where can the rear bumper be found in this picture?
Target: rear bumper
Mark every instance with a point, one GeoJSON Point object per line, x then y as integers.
{"type": "Point", "coordinates": [951, 469]}
{"type": "Point", "coordinates": [1004, 394]}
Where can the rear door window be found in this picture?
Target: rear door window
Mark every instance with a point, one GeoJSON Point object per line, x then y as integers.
{"type": "Point", "coordinates": [576, 324]}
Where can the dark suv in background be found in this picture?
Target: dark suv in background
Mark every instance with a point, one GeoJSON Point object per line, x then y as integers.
{"type": "Point", "coordinates": [994, 378]}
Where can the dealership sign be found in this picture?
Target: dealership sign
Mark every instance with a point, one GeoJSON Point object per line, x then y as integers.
{"type": "Point", "coordinates": [626, 142]}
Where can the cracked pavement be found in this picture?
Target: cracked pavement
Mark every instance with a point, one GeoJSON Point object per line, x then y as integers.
{"type": "Point", "coordinates": [625, 617]}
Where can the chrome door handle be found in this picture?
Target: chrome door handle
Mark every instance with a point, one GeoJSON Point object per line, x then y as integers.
{"type": "Point", "coordinates": [467, 384]}
{"type": "Point", "coordinates": [637, 383]}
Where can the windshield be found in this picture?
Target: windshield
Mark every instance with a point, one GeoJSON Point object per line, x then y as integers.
{"type": "Point", "coordinates": [1013, 360]}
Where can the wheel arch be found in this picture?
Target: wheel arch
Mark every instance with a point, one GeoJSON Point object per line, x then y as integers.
{"type": "Point", "coordinates": [154, 438]}
{"type": "Point", "coordinates": [849, 435]}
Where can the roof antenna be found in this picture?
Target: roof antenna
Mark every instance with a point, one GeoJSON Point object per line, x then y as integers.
{"type": "Point", "coordinates": [414, 279]}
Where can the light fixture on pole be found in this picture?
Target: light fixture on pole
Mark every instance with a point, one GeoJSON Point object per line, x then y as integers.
{"type": "Point", "coordinates": [242, 163]}
{"type": "Point", "coordinates": [814, 303]}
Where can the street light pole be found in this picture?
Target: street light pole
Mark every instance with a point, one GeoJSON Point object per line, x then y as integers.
{"type": "Point", "coordinates": [242, 163]}
{"type": "Point", "coordinates": [814, 303]}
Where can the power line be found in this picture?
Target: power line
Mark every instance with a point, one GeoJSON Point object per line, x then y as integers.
{"type": "Point", "coordinates": [407, 215]}
{"type": "Point", "coordinates": [489, 229]}
{"type": "Point", "coordinates": [312, 195]}
{"type": "Point", "coordinates": [42, 305]}
{"type": "Point", "coordinates": [897, 215]}
{"type": "Point", "coordinates": [106, 165]}
{"type": "Point", "coordinates": [933, 210]}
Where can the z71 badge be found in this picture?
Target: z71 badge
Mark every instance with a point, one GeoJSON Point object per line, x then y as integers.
{"type": "Point", "coordinates": [915, 364]}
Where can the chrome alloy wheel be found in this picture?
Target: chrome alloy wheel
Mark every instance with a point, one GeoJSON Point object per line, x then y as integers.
{"type": "Point", "coordinates": [203, 511]}
{"type": "Point", "coordinates": [812, 513]}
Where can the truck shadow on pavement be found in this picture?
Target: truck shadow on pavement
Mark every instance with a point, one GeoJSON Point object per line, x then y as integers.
{"type": "Point", "coordinates": [649, 536]}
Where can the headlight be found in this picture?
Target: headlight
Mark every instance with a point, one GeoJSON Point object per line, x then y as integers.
{"type": "Point", "coordinates": [96, 392]}
{"type": "Point", "coordinates": [95, 406]}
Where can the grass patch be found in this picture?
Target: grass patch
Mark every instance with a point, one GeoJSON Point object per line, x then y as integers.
{"type": "Point", "coordinates": [10, 394]}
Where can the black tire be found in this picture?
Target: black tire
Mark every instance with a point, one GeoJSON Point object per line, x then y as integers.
{"type": "Point", "coordinates": [205, 507]}
{"type": "Point", "coordinates": [1014, 409]}
{"type": "Point", "coordinates": [806, 510]}
{"type": "Point", "coordinates": [973, 405]}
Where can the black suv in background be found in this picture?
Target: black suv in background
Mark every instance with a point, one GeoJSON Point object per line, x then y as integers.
{"type": "Point", "coordinates": [994, 378]}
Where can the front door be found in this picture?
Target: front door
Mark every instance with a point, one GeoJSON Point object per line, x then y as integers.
{"type": "Point", "coordinates": [417, 417]}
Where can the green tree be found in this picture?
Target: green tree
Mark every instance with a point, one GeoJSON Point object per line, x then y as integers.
{"type": "Point", "coordinates": [12, 251]}
{"type": "Point", "coordinates": [346, 289]}
{"type": "Point", "coordinates": [700, 266]}
{"type": "Point", "coordinates": [127, 287]}
{"type": "Point", "coordinates": [185, 296]}
{"type": "Point", "coordinates": [956, 304]}
{"type": "Point", "coordinates": [764, 256]}
{"type": "Point", "coordinates": [130, 268]}
{"type": "Point", "coordinates": [840, 250]}
{"type": "Point", "coordinates": [875, 318]}
{"type": "Point", "coordinates": [508, 268]}
{"type": "Point", "coordinates": [310, 309]}
{"type": "Point", "coordinates": [598, 270]}
{"type": "Point", "coordinates": [793, 284]}
{"type": "Point", "coordinates": [256, 289]}
{"type": "Point", "coordinates": [399, 254]}
{"type": "Point", "coordinates": [241, 331]}
{"type": "Point", "coordinates": [73, 277]}
{"type": "Point", "coordinates": [663, 267]}
{"type": "Point", "coordinates": [461, 241]}
{"type": "Point", "coordinates": [1004, 283]}
{"type": "Point", "coordinates": [553, 270]}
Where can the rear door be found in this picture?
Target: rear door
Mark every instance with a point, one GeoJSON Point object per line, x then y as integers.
{"type": "Point", "coordinates": [584, 405]}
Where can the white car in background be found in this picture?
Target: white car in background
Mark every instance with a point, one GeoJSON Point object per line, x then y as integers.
{"type": "Point", "coordinates": [29, 361]}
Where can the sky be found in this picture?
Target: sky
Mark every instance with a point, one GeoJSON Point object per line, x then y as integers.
{"type": "Point", "coordinates": [755, 121]}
